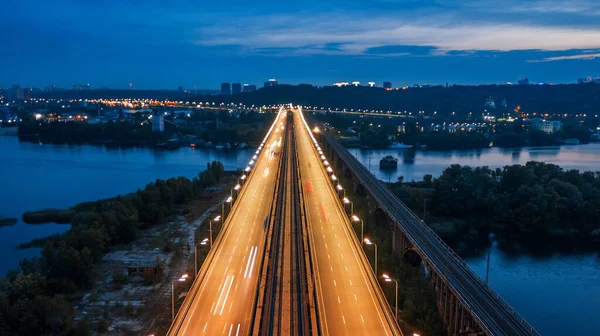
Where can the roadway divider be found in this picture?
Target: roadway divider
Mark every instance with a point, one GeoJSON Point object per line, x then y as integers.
{"type": "Point", "coordinates": [225, 229]}
{"type": "Point", "coordinates": [266, 249]}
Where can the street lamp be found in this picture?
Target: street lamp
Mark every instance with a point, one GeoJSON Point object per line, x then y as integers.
{"type": "Point", "coordinates": [203, 242]}
{"type": "Point", "coordinates": [369, 242]}
{"type": "Point", "coordinates": [339, 188]}
{"type": "Point", "coordinates": [362, 227]}
{"type": "Point", "coordinates": [182, 279]}
{"type": "Point", "coordinates": [329, 170]}
{"type": "Point", "coordinates": [236, 188]}
{"type": "Point", "coordinates": [346, 201]}
{"type": "Point", "coordinates": [216, 219]}
{"type": "Point", "coordinates": [388, 279]}
{"type": "Point", "coordinates": [228, 200]}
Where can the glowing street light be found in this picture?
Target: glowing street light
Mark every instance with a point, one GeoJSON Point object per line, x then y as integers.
{"type": "Point", "coordinates": [362, 226]}
{"type": "Point", "coordinates": [329, 170]}
{"type": "Point", "coordinates": [369, 242]}
{"type": "Point", "coordinates": [216, 219]}
{"type": "Point", "coordinates": [388, 279]}
{"type": "Point", "coordinates": [181, 279]}
{"type": "Point", "coordinates": [203, 242]}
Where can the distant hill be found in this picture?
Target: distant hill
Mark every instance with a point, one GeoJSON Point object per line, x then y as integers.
{"type": "Point", "coordinates": [564, 98]}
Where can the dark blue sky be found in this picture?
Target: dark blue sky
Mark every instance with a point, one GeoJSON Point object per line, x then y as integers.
{"type": "Point", "coordinates": [164, 44]}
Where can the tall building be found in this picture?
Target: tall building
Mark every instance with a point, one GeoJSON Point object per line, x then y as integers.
{"type": "Point", "coordinates": [249, 88]}
{"type": "Point", "coordinates": [236, 88]}
{"type": "Point", "coordinates": [16, 93]}
{"type": "Point", "coordinates": [158, 122]}
{"type": "Point", "coordinates": [387, 85]}
{"type": "Point", "coordinates": [271, 82]}
{"type": "Point", "coordinates": [226, 88]}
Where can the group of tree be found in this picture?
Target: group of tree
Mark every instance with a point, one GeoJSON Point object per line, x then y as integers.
{"type": "Point", "coordinates": [36, 299]}
{"type": "Point", "coordinates": [244, 126]}
{"type": "Point", "coordinates": [519, 200]}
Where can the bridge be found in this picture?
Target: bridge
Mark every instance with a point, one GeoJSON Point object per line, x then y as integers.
{"type": "Point", "coordinates": [466, 303]}
{"type": "Point", "coordinates": [288, 262]}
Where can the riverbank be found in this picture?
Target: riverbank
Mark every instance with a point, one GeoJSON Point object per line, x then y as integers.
{"type": "Point", "coordinates": [9, 131]}
{"type": "Point", "coordinates": [67, 262]}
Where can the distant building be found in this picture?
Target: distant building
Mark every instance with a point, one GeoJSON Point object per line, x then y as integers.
{"type": "Point", "coordinates": [236, 88]}
{"type": "Point", "coordinates": [81, 87]}
{"type": "Point", "coordinates": [180, 89]}
{"type": "Point", "coordinates": [504, 103]}
{"type": "Point", "coordinates": [524, 81]}
{"type": "Point", "coordinates": [249, 88]}
{"type": "Point", "coordinates": [16, 93]}
{"type": "Point", "coordinates": [340, 84]}
{"type": "Point", "coordinates": [548, 126]}
{"type": "Point", "coordinates": [226, 88]}
{"type": "Point", "coordinates": [490, 103]}
{"type": "Point", "coordinates": [271, 82]}
{"type": "Point", "coordinates": [158, 123]}
{"type": "Point", "coordinates": [387, 85]}
{"type": "Point", "coordinates": [589, 79]}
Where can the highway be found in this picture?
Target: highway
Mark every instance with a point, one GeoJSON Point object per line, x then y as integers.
{"type": "Point", "coordinates": [494, 315]}
{"type": "Point", "coordinates": [349, 300]}
{"type": "Point", "coordinates": [221, 300]}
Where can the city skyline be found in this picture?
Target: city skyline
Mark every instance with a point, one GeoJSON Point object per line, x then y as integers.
{"type": "Point", "coordinates": [166, 45]}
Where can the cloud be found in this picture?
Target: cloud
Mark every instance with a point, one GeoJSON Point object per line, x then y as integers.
{"type": "Point", "coordinates": [569, 57]}
{"type": "Point", "coordinates": [358, 34]}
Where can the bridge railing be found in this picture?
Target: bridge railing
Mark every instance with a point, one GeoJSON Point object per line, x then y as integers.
{"type": "Point", "coordinates": [412, 216]}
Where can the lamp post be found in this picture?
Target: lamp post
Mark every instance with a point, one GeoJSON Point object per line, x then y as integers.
{"type": "Point", "coordinates": [369, 242]}
{"type": "Point", "coordinates": [339, 188]}
{"type": "Point", "coordinates": [182, 279]}
{"type": "Point", "coordinates": [236, 188]}
{"type": "Point", "coordinates": [388, 279]}
{"type": "Point", "coordinates": [216, 219]}
{"type": "Point", "coordinates": [347, 201]}
{"type": "Point", "coordinates": [203, 242]}
{"type": "Point", "coordinates": [228, 200]}
{"type": "Point", "coordinates": [362, 228]}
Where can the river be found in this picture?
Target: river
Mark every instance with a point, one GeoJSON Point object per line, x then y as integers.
{"type": "Point", "coordinates": [559, 294]}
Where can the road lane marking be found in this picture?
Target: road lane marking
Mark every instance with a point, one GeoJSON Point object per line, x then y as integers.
{"type": "Point", "coordinates": [343, 318]}
{"type": "Point", "coordinates": [350, 282]}
{"type": "Point", "coordinates": [238, 330]}
{"type": "Point", "coordinates": [334, 283]}
{"type": "Point", "coordinates": [226, 295]}
{"type": "Point", "coordinates": [355, 298]}
{"type": "Point", "coordinates": [221, 295]}
{"type": "Point", "coordinates": [331, 268]}
{"type": "Point", "coordinates": [339, 300]}
{"type": "Point", "coordinates": [346, 267]}
{"type": "Point", "coordinates": [362, 318]}
{"type": "Point", "coordinates": [205, 325]}
{"type": "Point", "coordinates": [249, 261]}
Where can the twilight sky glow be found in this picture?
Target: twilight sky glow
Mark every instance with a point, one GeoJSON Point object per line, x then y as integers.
{"type": "Point", "coordinates": [166, 43]}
